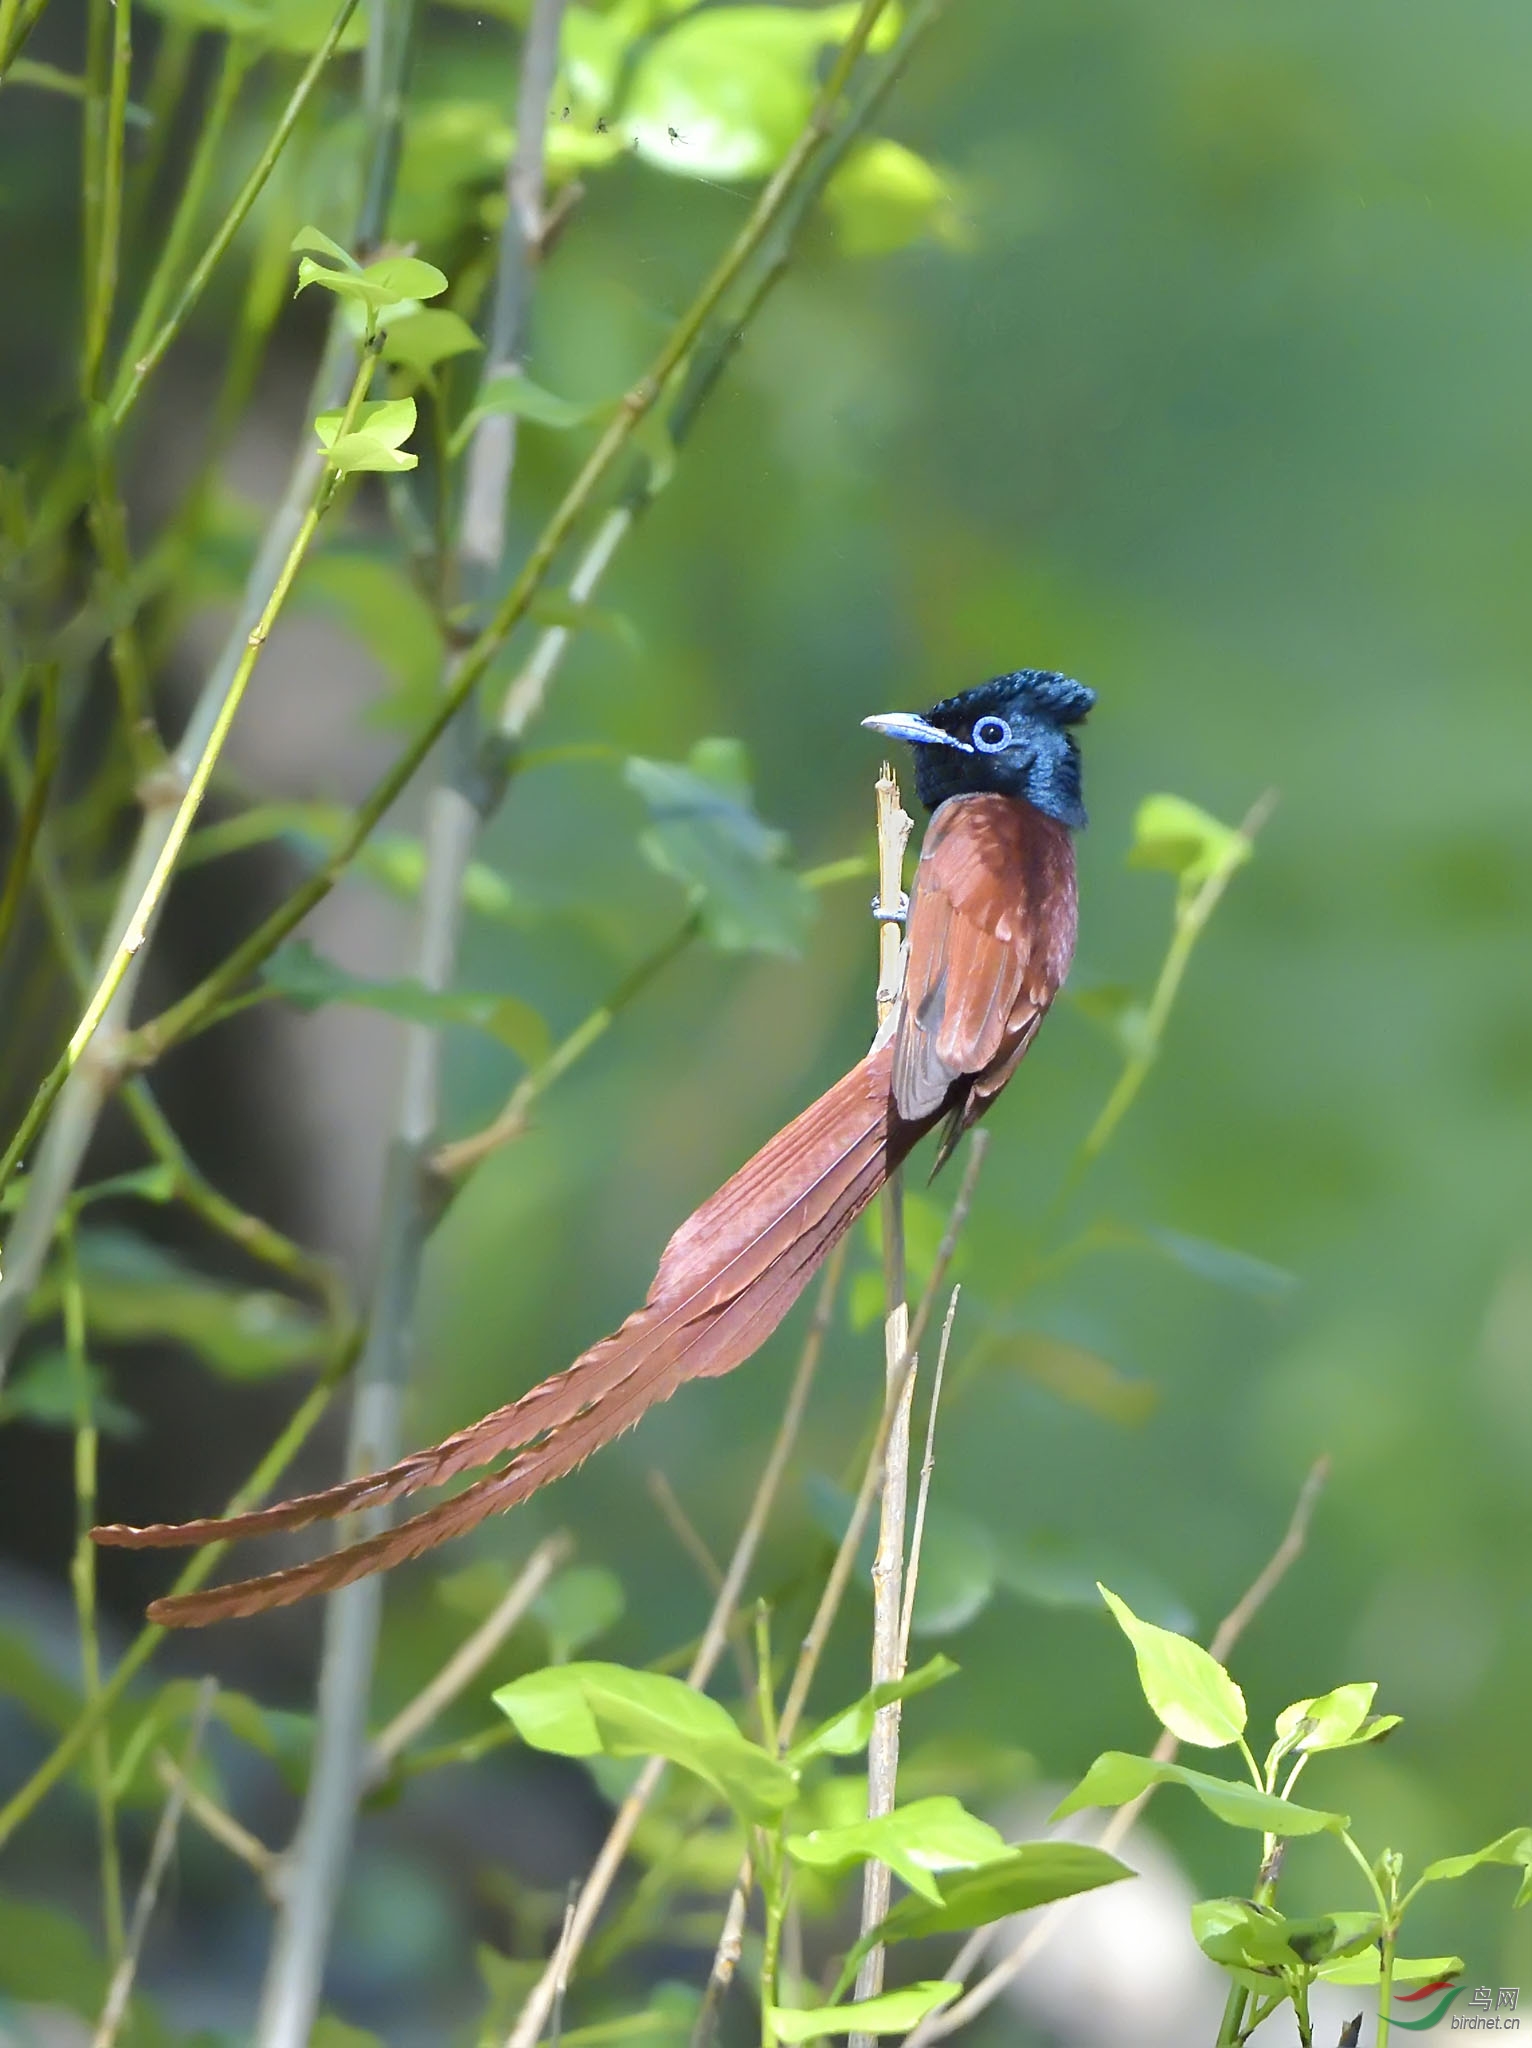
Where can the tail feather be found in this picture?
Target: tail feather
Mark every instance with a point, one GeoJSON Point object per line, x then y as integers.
{"type": "Point", "coordinates": [727, 1278]}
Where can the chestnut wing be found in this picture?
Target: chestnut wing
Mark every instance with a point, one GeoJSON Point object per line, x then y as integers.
{"type": "Point", "coordinates": [991, 932]}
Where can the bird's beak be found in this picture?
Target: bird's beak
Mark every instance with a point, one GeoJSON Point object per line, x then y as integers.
{"type": "Point", "coordinates": [904, 725]}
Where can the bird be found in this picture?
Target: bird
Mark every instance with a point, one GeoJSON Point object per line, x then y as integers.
{"type": "Point", "coordinates": [989, 937]}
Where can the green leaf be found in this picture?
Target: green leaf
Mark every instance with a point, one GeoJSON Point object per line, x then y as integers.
{"type": "Point", "coordinates": [1120, 1011]}
{"type": "Point", "coordinates": [1057, 1570]}
{"type": "Point", "coordinates": [608, 1710]}
{"type": "Point", "coordinates": [1514, 1848]}
{"type": "Point", "coordinates": [1189, 1690]}
{"type": "Point", "coordinates": [1242, 1935]}
{"type": "Point", "coordinates": [1335, 1720]}
{"type": "Point", "coordinates": [891, 2012]}
{"type": "Point", "coordinates": [312, 241]}
{"type": "Point", "coordinates": [135, 1292]}
{"type": "Point", "coordinates": [1030, 1874]}
{"type": "Point", "coordinates": [1186, 841]}
{"type": "Point", "coordinates": [847, 1732]}
{"type": "Point", "coordinates": [915, 1841]}
{"type": "Point", "coordinates": [305, 978]}
{"type": "Point", "coordinates": [580, 1604]}
{"type": "Point", "coordinates": [434, 335]}
{"type": "Point", "coordinates": [43, 1393]}
{"type": "Point", "coordinates": [37, 1689]}
{"type": "Point", "coordinates": [513, 393]}
{"type": "Point", "coordinates": [396, 278]}
{"type": "Point", "coordinates": [380, 428]}
{"type": "Point", "coordinates": [1116, 1777]}
{"type": "Point", "coordinates": [885, 196]}
{"type": "Point", "coordinates": [1238, 1271]}
{"type": "Point", "coordinates": [329, 2031]}
{"type": "Point", "coordinates": [1367, 1968]}
{"type": "Point", "coordinates": [957, 1573]}
{"type": "Point", "coordinates": [705, 835]}
{"type": "Point", "coordinates": [733, 86]}
{"type": "Point", "coordinates": [46, 1958]}
{"type": "Point", "coordinates": [393, 281]}
{"type": "Point", "coordinates": [1082, 1378]}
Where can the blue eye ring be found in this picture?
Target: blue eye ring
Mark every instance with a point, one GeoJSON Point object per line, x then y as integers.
{"type": "Point", "coordinates": [991, 735]}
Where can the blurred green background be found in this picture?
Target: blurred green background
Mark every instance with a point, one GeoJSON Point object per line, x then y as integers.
{"type": "Point", "coordinates": [1218, 402]}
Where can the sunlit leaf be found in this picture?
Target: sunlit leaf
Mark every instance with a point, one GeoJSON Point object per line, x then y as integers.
{"type": "Point", "coordinates": [136, 1292]}
{"type": "Point", "coordinates": [1187, 1687]}
{"type": "Point", "coordinates": [884, 197]}
{"type": "Point", "coordinates": [606, 1709]}
{"type": "Point", "coordinates": [847, 1732]}
{"type": "Point", "coordinates": [724, 93]}
{"type": "Point", "coordinates": [381, 427]}
{"type": "Point", "coordinates": [917, 1841]}
{"type": "Point", "coordinates": [706, 835]}
{"type": "Point", "coordinates": [1333, 1720]}
{"type": "Point", "coordinates": [1116, 1777]}
{"type": "Point", "coordinates": [1082, 1378]}
{"type": "Point", "coordinates": [891, 2012]}
{"type": "Point", "coordinates": [1514, 1848]}
{"type": "Point", "coordinates": [1240, 1934]}
{"type": "Point", "coordinates": [312, 241]}
{"type": "Point", "coordinates": [306, 979]}
{"type": "Point", "coordinates": [1186, 841]}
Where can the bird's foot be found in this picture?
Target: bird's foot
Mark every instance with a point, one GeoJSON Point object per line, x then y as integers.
{"type": "Point", "coordinates": [890, 913]}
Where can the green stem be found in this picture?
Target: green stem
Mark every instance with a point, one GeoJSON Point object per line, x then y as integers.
{"type": "Point", "coordinates": [188, 1015]}
{"type": "Point", "coordinates": [136, 929]}
{"type": "Point", "coordinates": [98, 48]}
{"type": "Point", "coordinates": [101, 295]}
{"type": "Point", "coordinates": [1230, 2031]}
{"type": "Point", "coordinates": [774, 1895]}
{"type": "Point", "coordinates": [199, 174]}
{"type": "Point", "coordinates": [29, 825]}
{"type": "Point", "coordinates": [71, 1746]}
{"type": "Point", "coordinates": [135, 370]}
{"type": "Point", "coordinates": [1386, 1983]}
{"type": "Point", "coordinates": [82, 1573]}
{"type": "Point", "coordinates": [18, 18]}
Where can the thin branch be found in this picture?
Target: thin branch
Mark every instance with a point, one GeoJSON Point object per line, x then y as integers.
{"type": "Point", "coordinates": [689, 1537]}
{"type": "Point", "coordinates": [894, 827]}
{"type": "Point", "coordinates": [534, 2014]}
{"type": "Point", "coordinates": [1228, 1632]}
{"type": "Point", "coordinates": [120, 1990]}
{"type": "Point", "coordinates": [135, 371]}
{"type": "Point", "coordinates": [220, 1825]}
{"type": "Point", "coordinates": [927, 1467]}
{"type": "Point", "coordinates": [464, 1666]}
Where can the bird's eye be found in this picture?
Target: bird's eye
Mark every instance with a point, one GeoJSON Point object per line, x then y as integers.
{"type": "Point", "coordinates": [991, 735]}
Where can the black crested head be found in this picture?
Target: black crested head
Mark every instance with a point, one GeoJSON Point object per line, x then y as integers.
{"type": "Point", "coordinates": [1007, 737]}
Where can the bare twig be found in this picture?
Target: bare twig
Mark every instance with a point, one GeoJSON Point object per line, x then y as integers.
{"type": "Point", "coordinates": [120, 1990]}
{"type": "Point", "coordinates": [927, 1467]}
{"type": "Point", "coordinates": [900, 1369]}
{"type": "Point", "coordinates": [464, 1666]}
{"type": "Point", "coordinates": [534, 2014]}
{"type": "Point", "coordinates": [939, 2025]}
{"type": "Point", "coordinates": [216, 1822]}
